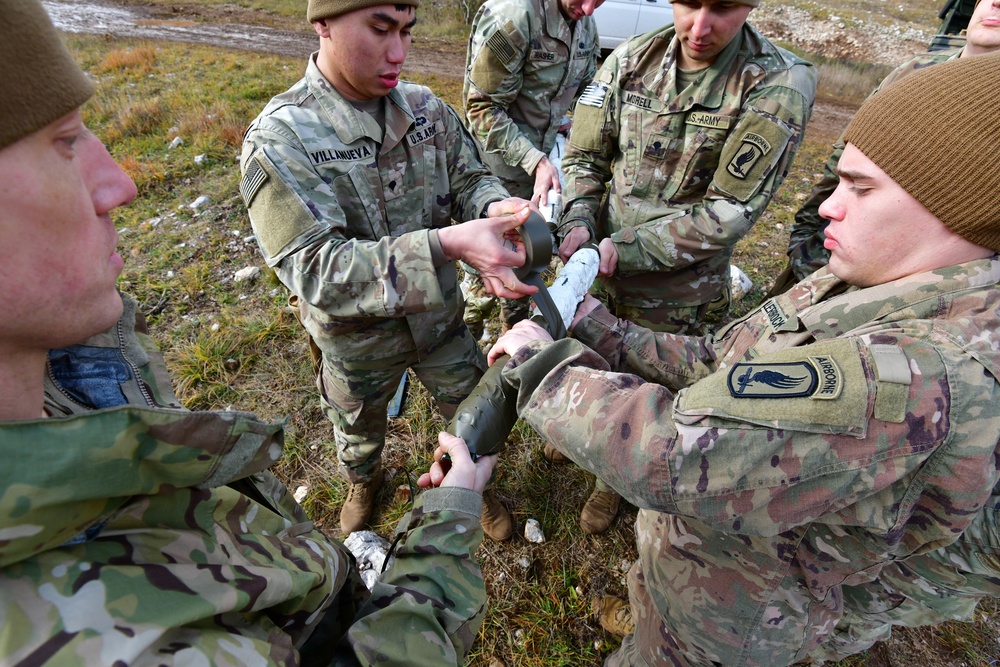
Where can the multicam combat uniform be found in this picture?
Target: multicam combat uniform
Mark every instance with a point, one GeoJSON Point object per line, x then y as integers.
{"type": "Point", "coordinates": [785, 463]}
{"type": "Point", "coordinates": [805, 243]}
{"type": "Point", "coordinates": [146, 534]}
{"type": "Point", "coordinates": [690, 168]}
{"type": "Point", "coordinates": [526, 65]}
{"type": "Point", "coordinates": [346, 216]}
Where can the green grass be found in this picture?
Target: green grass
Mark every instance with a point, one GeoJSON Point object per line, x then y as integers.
{"type": "Point", "coordinates": [235, 344]}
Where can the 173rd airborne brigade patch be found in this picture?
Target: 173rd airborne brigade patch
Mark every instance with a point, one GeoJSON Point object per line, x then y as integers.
{"type": "Point", "coordinates": [822, 385]}
{"type": "Point", "coordinates": [751, 152]}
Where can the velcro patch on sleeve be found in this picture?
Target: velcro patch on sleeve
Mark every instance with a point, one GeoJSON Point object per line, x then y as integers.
{"type": "Point", "coordinates": [894, 378]}
{"type": "Point", "coordinates": [493, 63]}
{"type": "Point", "coordinates": [819, 387]}
{"type": "Point", "coordinates": [589, 118]}
{"type": "Point", "coordinates": [750, 154]}
{"type": "Point", "coordinates": [277, 213]}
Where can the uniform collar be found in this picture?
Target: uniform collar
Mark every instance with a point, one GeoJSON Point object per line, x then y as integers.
{"type": "Point", "coordinates": [556, 25]}
{"type": "Point", "coordinates": [921, 294]}
{"type": "Point", "coordinates": [348, 126]}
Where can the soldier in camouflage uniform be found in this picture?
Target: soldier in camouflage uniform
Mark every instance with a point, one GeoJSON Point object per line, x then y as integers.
{"type": "Point", "coordinates": [689, 129]}
{"type": "Point", "coordinates": [352, 179]}
{"type": "Point", "coordinates": [131, 530]}
{"type": "Point", "coordinates": [528, 61]}
{"type": "Point", "coordinates": [805, 242]}
{"type": "Point", "coordinates": [826, 467]}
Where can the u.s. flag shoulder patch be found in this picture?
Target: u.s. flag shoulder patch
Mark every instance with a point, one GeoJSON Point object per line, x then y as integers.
{"type": "Point", "coordinates": [594, 95]}
{"type": "Point", "coordinates": [254, 177]}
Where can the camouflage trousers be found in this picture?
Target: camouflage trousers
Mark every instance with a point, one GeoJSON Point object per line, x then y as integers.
{"type": "Point", "coordinates": [355, 392]}
{"type": "Point", "coordinates": [867, 614]}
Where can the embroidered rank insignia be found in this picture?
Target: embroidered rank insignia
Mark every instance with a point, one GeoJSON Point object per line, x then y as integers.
{"type": "Point", "coordinates": [817, 377]}
{"type": "Point", "coordinates": [594, 95]}
{"type": "Point", "coordinates": [251, 182]}
{"type": "Point", "coordinates": [754, 148]}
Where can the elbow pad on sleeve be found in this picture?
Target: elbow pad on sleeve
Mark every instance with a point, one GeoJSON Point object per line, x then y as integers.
{"type": "Point", "coordinates": [280, 218]}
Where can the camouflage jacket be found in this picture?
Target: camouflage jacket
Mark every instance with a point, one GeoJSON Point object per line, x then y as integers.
{"type": "Point", "coordinates": [345, 216]}
{"type": "Point", "coordinates": [147, 534]}
{"type": "Point", "coordinates": [525, 66]}
{"type": "Point", "coordinates": [830, 432]}
{"type": "Point", "coordinates": [687, 172]}
{"type": "Point", "coordinates": [805, 242]}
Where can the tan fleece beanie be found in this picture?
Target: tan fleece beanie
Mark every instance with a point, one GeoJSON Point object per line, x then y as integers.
{"type": "Point", "coordinates": [324, 9]}
{"type": "Point", "coordinates": [936, 132]}
{"type": "Point", "coordinates": [39, 81]}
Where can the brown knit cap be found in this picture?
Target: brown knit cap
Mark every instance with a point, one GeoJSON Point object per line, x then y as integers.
{"type": "Point", "coordinates": [936, 133]}
{"type": "Point", "coordinates": [324, 9]}
{"type": "Point", "coordinates": [39, 81]}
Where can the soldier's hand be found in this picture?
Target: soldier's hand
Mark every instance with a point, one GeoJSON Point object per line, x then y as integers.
{"type": "Point", "coordinates": [575, 238]}
{"type": "Point", "coordinates": [609, 257]}
{"type": "Point", "coordinates": [518, 335]}
{"type": "Point", "coordinates": [508, 206]}
{"type": "Point", "coordinates": [586, 307]}
{"type": "Point", "coordinates": [492, 247]}
{"type": "Point", "coordinates": [458, 469]}
{"type": "Point", "coordinates": [546, 178]}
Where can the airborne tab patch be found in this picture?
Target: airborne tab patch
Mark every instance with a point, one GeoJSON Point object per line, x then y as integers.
{"type": "Point", "coordinates": [754, 147]}
{"type": "Point", "coordinates": [817, 377]}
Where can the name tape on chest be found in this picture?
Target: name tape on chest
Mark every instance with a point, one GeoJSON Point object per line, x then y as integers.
{"type": "Point", "coordinates": [423, 134]}
{"type": "Point", "coordinates": [641, 101]}
{"type": "Point", "coordinates": [594, 95]}
{"type": "Point", "coordinates": [327, 155]}
{"type": "Point", "coordinates": [543, 55]}
{"type": "Point", "coordinates": [753, 148]}
{"type": "Point", "coordinates": [816, 377]}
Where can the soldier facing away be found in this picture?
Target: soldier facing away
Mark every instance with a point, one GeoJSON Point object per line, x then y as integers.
{"type": "Point", "coordinates": [133, 531]}
{"type": "Point", "coordinates": [527, 62]}
{"type": "Point", "coordinates": [827, 467]}
{"type": "Point", "coordinates": [689, 129]}
{"type": "Point", "coordinates": [352, 179]}
{"type": "Point", "coordinates": [805, 242]}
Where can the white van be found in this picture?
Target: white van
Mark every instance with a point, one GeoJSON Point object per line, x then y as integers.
{"type": "Point", "coordinates": [618, 20]}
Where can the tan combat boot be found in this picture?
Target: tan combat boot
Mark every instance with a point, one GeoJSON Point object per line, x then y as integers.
{"type": "Point", "coordinates": [360, 502]}
{"type": "Point", "coordinates": [496, 519]}
{"type": "Point", "coordinates": [614, 615]}
{"type": "Point", "coordinates": [553, 455]}
{"type": "Point", "coordinates": [599, 511]}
